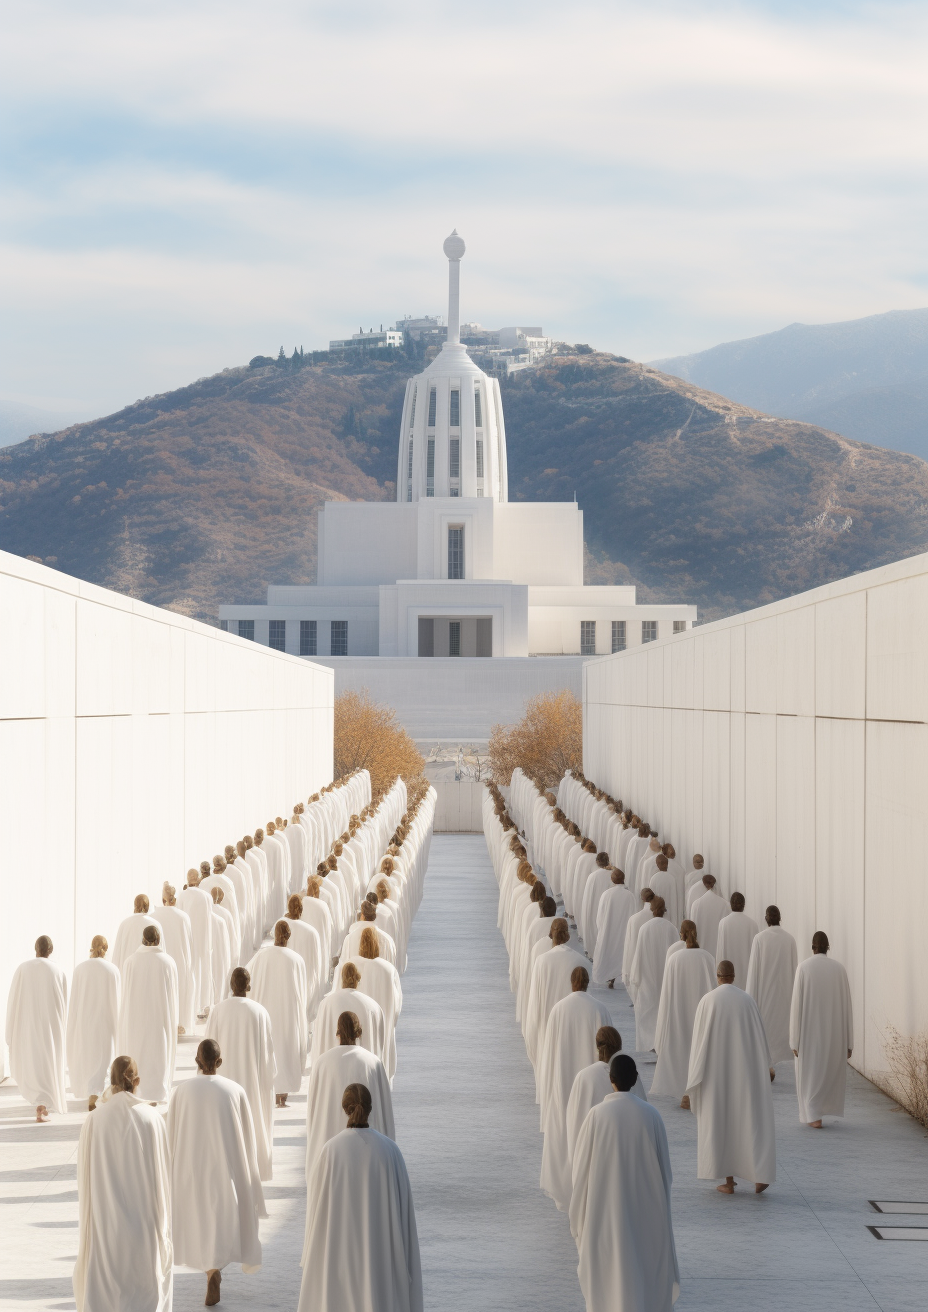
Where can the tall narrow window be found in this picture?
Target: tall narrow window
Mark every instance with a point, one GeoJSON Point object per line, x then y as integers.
{"type": "Point", "coordinates": [277, 635]}
{"type": "Point", "coordinates": [618, 635]}
{"type": "Point", "coordinates": [426, 637]}
{"type": "Point", "coordinates": [679, 626]}
{"type": "Point", "coordinates": [455, 553]}
{"type": "Point", "coordinates": [455, 408]}
{"type": "Point", "coordinates": [478, 408]}
{"type": "Point", "coordinates": [433, 401]}
{"type": "Point", "coordinates": [246, 629]}
{"type": "Point", "coordinates": [224, 625]}
{"type": "Point", "coordinates": [485, 635]}
{"type": "Point", "coordinates": [409, 461]}
{"type": "Point", "coordinates": [480, 457]}
{"type": "Point", "coordinates": [338, 642]}
{"type": "Point", "coordinates": [430, 468]}
{"type": "Point", "coordinates": [454, 457]}
{"type": "Point", "coordinates": [454, 638]}
{"type": "Point", "coordinates": [412, 413]}
{"type": "Point", "coordinates": [308, 638]}
{"type": "Point", "coordinates": [587, 637]}
{"type": "Point", "coordinates": [649, 630]}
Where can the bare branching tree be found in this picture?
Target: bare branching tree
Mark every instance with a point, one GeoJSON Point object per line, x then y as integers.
{"type": "Point", "coordinates": [546, 742]}
{"type": "Point", "coordinates": [368, 737]}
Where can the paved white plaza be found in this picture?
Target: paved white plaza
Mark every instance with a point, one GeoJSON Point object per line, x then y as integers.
{"type": "Point", "coordinates": [468, 1125]}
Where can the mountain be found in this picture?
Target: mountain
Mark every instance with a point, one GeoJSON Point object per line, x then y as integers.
{"type": "Point", "coordinates": [865, 378]}
{"type": "Point", "coordinates": [209, 493]}
{"type": "Point", "coordinates": [21, 421]}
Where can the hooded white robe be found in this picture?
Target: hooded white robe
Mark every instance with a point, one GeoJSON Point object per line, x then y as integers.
{"type": "Point", "coordinates": [597, 885]}
{"type": "Point", "coordinates": [216, 1188]}
{"type": "Point", "coordinates": [125, 1255]}
{"type": "Point", "coordinates": [729, 1089]}
{"type": "Point", "coordinates": [36, 1021]}
{"type": "Point", "coordinates": [591, 1085]}
{"type": "Point", "coordinates": [570, 1042]}
{"type": "Point", "coordinates": [280, 878]}
{"type": "Point", "coordinates": [632, 930]}
{"type": "Point", "coordinates": [737, 933]}
{"type": "Point", "coordinates": [616, 908]}
{"type": "Point", "coordinates": [278, 982]}
{"type": "Point", "coordinates": [370, 1017]}
{"type": "Point", "coordinates": [821, 1029]}
{"type": "Point", "coordinates": [646, 977]}
{"type": "Point", "coordinates": [663, 884]}
{"type": "Point", "coordinates": [129, 937]}
{"type": "Point", "coordinates": [148, 1020]}
{"type": "Point", "coordinates": [329, 1078]}
{"type": "Point", "coordinates": [359, 1202]}
{"type": "Point", "coordinates": [296, 840]}
{"type": "Point", "coordinates": [707, 914]}
{"type": "Point", "coordinates": [352, 944]}
{"type": "Point", "coordinates": [620, 1209]}
{"type": "Point", "coordinates": [242, 1029]}
{"type": "Point", "coordinates": [93, 1018]}
{"type": "Point", "coordinates": [699, 890]}
{"type": "Point", "coordinates": [771, 973]}
{"type": "Point", "coordinates": [688, 976]}
{"type": "Point", "coordinates": [223, 933]}
{"type": "Point", "coordinates": [550, 982]}
{"type": "Point", "coordinates": [381, 982]}
{"type": "Point", "coordinates": [199, 907]}
{"type": "Point", "coordinates": [317, 914]}
{"type": "Point", "coordinates": [177, 939]}
{"type": "Point", "coordinates": [305, 940]}
{"type": "Point", "coordinates": [230, 904]}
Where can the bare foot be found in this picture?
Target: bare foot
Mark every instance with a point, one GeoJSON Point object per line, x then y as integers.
{"type": "Point", "coordinates": [91, 1102]}
{"type": "Point", "coordinates": [728, 1187]}
{"type": "Point", "coordinates": [685, 1102]}
{"type": "Point", "coordinates": [759, 1188]}
{"type": "Point", "coordinates": [815, 1125]}
{"type": "Point", "coordinates": [213, 1281]}
{"type": "Point", "coordinates": [773, 1075]}
{"type": "Point", "coordinates": [41, 1112]}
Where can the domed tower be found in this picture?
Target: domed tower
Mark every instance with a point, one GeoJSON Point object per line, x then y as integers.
{"type": "Point", "coordinates": [452, 438]}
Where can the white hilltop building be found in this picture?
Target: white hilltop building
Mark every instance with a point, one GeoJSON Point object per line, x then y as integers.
{"type": "Point", "coordinates": [453, 571]}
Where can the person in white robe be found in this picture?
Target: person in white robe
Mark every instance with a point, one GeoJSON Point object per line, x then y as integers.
{"type": "Point", "coordinates": [705, 883]}
{"type": "Point", "coordinates": [219, 878]}
{"type": "Point", "coordinates": [348, 997]}
{"type": "Point", "coordinates": [305, 941]}
{"type": "Point", "coordinates": [280, 872]}
{"type": "Point", "coordinates": [380, 981]}
{"type": "Point", "coordinates": [317, 914]}
{"type": "Point", "coordinates": [694, 874]}
{"type": "Point", "coordinates": [620, 1205]}
{"type": "Point", "coordinates": [242, 1028]}
{"type": "Point", "coordinates": [737, 932]}
{"type": "Point", "coordinates": [246, 877]}
{"type": "Point", "coordinates": [129, 933]}
{"type": "Point", "coordinates": [148, 1015]}
{"type": "Point", "coordinates": [216, 1193]}
{"type": "Point", "coordinates": [346, 1063]}
{"type": "Point", "coordinates": [537, 929]}
{"type": "Point", "coordinates": [632, 930]}
{"type": "Point", "coordinates": [352, 942]}
{"type": "Point", "coordinates": [125, 1254]}
{"type": "Point", "coordinates": [616, 907]}
{"type": "Point", "coordinates": [177, 937]}
{"type": "Point", "coordinates": [771, 973]}
{"type": "Point", "coordinates": [646, 974]}
{"type": "Point", "coordinates": [360, 1174]}
{"type": "Point", "coordinates": [647, 862]}
{"type": "Point", "coordinates": [821, 1033]}
{"type": "Point", "coordinates": [223, 936]}
{"type": "Point", "coordinates": [728, 1085]}
{"type": "Point", "coordinates": [707, 913]}
{"type": "Point", "coordinates": [197, 904]}
{"type": "Point", "coordinates": [93, 1018]}
{"type": "Point", "coordinates": [688, 976]}
{"type": "Point", "coordinates": [549, 983]}
{"type": "Point", "coordinates": [598, 881]}
{"type": "Point", "coordinates": [663, 883]}
{"type": "Point", "coordinates": [278, 982]}
{"type": "Point", "coordinates": [36, 1024]}
{"type": "Point", "coordinates": [570, 1042]}
{"type": "Point", "coordinates": [592, 1084]}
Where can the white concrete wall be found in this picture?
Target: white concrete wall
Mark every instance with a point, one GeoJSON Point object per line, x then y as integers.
{"type": "Point", "coordinates": [458, 807]}
{"type": "Point", "coordinates": [133, 744]}
{"type": "Point", "coordinates": [790, 746]}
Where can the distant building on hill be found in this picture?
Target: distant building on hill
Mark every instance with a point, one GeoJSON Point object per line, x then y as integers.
{"type": "Point", "coordinates": [368, 341]}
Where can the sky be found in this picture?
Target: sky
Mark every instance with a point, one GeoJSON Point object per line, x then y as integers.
{"type": "Point", "coordinates": [183, 186]}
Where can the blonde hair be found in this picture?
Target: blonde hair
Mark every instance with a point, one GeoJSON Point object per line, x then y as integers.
{"type": "Point", "coordinates": [168, 893]}
{"type": "Point", "coordinates": [123, 1074]}
{"type": "Point", "coordinates": [351, 976]}
{"type": "Point", "coordinates": [369, 947]}
{"type": "Point", "coordinates": [313, 884]}
{"type": "Point", "coordinates": [140, 905]}
{"type": "Point", "coordinates": [98, 946]}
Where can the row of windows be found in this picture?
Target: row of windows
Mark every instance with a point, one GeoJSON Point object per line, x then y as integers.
{"type": "Point", "coordinates": [649, 633]}
{"type": "Point", "coordinates": [454, 408]}
{"type": "Point", "coordinates": [454, 466]}
{"type": "Point", "coordinates": [309, 642]}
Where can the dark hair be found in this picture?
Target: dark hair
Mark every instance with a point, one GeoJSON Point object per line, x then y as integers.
{"type": "Point", "coordinates": [579, 979]}
{"type": "Point", "coordinates": [294, 906]}
{"type": "Point", "coordinates": [548, 907]}
{"type": "Point", "coordinates": [347, 1029]}
{"type": "Point", "coordinates": [43, 946]}
{"type": "Point", "coordinates": [538, 892]}
{"type": "Point", "coordinates": [208, 1054]}
{"type": "Point", "coordinates": [736, 901]}
{"type": "Point", "coordinates": [608, 1042]}
{"type": "Point", "coordinates": [356, 1104]}
{"type": "Point", "coordinates": [151, 936]}
{"type": "Point", "coordinates": [240, 980]}
{"type": "Point", "coordinates": [820, 941]}
{"type": "Point", "coordinates": [559, 932]}
{"type": "Point", "coordinates": [281, 934]}
{"type": "Point", "coordinates": [623, 1072]}
{"type": "Point", "coordinates": [123, 1074]}
{"type": "Point", "coordinates": [658, 906]}
{"type": "Point", "coordinates": [772, 915]}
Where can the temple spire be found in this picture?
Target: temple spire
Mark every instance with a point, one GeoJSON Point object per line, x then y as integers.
{"type": "Point", "coordinates": [454, 248]}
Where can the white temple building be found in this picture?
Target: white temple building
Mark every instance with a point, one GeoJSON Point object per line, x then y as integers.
{"type": "Point", "coordinates": [452, 568]}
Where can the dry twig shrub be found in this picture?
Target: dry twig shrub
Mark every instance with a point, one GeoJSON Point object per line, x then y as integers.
{"type": "Point", "coordinates": [546, 742]}
{"type": "Point", "coordinates": [368, 737]}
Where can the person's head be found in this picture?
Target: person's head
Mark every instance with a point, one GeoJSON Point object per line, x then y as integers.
{"type": "Point", "coordinates": [151, 936]}
{"type": "Point", "coordinates": [772, 915]}
{"type": "Point", "coordinates": [608, 1042]}
{"type": "Point", "coordinates": [647, 895]}
{"type": "Point", "coordinates": [281, 934]}
{"type": "Point", "coordinates": [347, 1029]}
{"type": "Point", "coordinates": [383, 890]}
{"type": "Point", "coordinates": [669, 851]}
{"type": "Point", "coordinates": [206, 868]}
{"type": "Point", "coordinates": [168, 894]}
{"type": "Point", "coordinates": [548, 908]}
{"type": "Point", "coordinates": [618, 876]}
{"type": "Point", "coordinates": [351, 976]}
{"type": "Point", "coordinates": [602, 859]}
{"type": "Point", "coordinates": [698, 861]}
{"type": "Point", "coordinates": [209, 1058]}
{"type": "Point", "coordinates": [736, 901]}
{"type": "Point", "coordinates": [98, 946]}
{"type": "Point", "coordinates": [654, 845]}
{"type": "Point", "coordinates": [589, 846]}
{"type": "Point", "coordinates": [140, 905]}
{"type": "Point", "coordinates": [240, 848]}
{"type": "Point", "coordinates": [124, 1075]}
{"type": "Point", "coordinates": [220, 864]}
{"type": "Point", "coordinates": [387, 865]}
{"type": "Point", "coordinates": [217, 895]}
{"type": "Point", "coordinates": [658, 907]}
{"type": "Point", "coordinates": [579, 979]}
{"type": "Point", "coordinates": [193, 877]}
{"type": "Point", "coordinates": [820, 944]}
{"type": "Point", "coordinates": [538, 892]}
{"type": "Point", "coordinates": [623, 1073]}
{"type": "Point", "coordinates": [709, 881]}
{"type": "Point", "coordinates": [725, 972]}
{"type": "Point", "coordinates": [313, 884]}
{"type": "Point", "coordinates": [369, 947]}
{"type": "Point", "coordinates": [271, 827]}
{"type": "Point", "coordinates": [294, 906]}
{"type": "Point", "coordinates": [356, 1104]}
{"type": "Point", "coordinates": [249, 842]}
{"type": "Point", "coordinates": [240, 981]}
{"type": "Point", "coordinates": [43, 946]}
{"type": "Point", "coordinates": [367, 911]}
{"type": "Point", "coordinates": [661, 861]}
{"type": "Point", "coordinates": [259, 837]}
{"type": "Point", "coordinates": [688, 934]}
{"type": "Point", "coordinates": [559, 932]}
{"type": "Point", "coordinates": [525, 873]}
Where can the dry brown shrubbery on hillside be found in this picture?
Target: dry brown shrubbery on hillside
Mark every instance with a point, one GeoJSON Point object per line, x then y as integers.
{"type": "Point", "coordinates": [368, 737]}
{"type": "Point", "coordinates": [546, 742]}
{"type": "Point", "coordinates": [907, 1078]}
